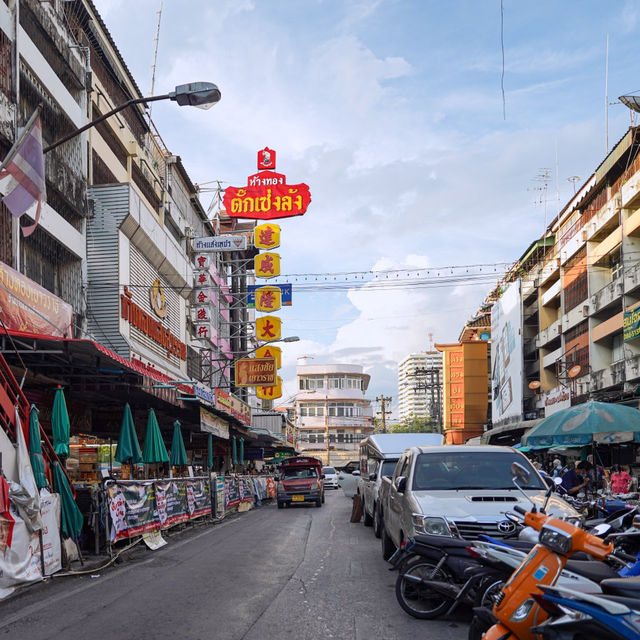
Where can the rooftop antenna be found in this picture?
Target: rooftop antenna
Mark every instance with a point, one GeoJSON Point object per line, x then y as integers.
{"type": "Point", "coordinates": [155, 55]}
{"type": "Point", "coordinates": [430, 341]}
{"type": "Point", "coordinates": [573, 180]}
{"type": "Point", "coordinates": [542, 178]}
{"type": "Point", "coordinates": [606, 100]}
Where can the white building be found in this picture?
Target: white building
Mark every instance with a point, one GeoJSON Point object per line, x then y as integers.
{"type": "Point", "coordinates": [331, 401]}
{"type": "Point", "coordinates": [420, 386]}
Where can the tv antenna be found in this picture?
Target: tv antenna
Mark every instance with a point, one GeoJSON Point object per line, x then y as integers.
{"type": "Point", "coordinates": [155, 55]}
{"type": "Point", "coordinates": [573, 180]}
{"type": "Point", "coordinates": [542, 179]}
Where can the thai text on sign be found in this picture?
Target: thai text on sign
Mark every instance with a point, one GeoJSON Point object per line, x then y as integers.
{"type": "Point", "coordinates": [255, 372]}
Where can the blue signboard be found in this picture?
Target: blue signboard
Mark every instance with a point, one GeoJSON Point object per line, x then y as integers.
{"type": "Point", "coordinates": [285, 289]}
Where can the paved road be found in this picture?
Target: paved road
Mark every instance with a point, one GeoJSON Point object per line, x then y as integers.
{"type": "Point", "coordinates": [301, 573]}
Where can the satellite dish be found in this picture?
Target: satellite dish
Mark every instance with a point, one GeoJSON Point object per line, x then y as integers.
{"type": "Point", "coordinates": [534, 384]}
{"type": "Point", "coordinates": [574, 372]}
{"type": "Point", "coordinates": [633, 102]}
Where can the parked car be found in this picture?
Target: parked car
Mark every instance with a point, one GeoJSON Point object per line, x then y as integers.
{"type": "Point", "coordinates": [379, 454]}
{"type": "Point", "coordinates": [459, 491]}
{"type": "Point", "coordinates": [350, 467]}
{"type": "Point", "coordinates": [330, 478]}
{"type": "Point", "coordinates": [301, 481]}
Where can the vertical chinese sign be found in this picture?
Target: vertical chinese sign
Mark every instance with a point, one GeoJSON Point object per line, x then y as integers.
{"type": "Point", "coordinates": [266, 197]}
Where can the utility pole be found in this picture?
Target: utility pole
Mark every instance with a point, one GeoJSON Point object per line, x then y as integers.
{"type": "Point", "coordinates": [383, 412]}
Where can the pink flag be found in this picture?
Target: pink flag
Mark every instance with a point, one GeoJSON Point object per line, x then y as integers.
{"type": "Point", "coordinates": [22, 182]}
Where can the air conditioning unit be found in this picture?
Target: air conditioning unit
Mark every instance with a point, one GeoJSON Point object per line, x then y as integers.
{"type": "Point", "coordinates": [585, 235]}
{"type": "Point", "coordinates": [585, 311]}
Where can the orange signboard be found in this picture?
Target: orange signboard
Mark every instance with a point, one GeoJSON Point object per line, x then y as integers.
{"type": "Point", "coordinates": [466, 379]}
{"type": "Point", "coordinates": [269, 351]}
{"type": "Point", "coordinates": [256, 372]}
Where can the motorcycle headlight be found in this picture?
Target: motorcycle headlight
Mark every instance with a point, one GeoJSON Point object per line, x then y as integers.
{"type": "Point", "coordinates": [523, 610]}
{"type": "Point", "coordinates": [555, 539]}
{"type": "Point", "coordinates": [430, 525]}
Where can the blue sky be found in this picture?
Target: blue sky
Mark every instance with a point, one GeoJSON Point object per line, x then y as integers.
{"type": "Point", "coordinates": [392, 112]}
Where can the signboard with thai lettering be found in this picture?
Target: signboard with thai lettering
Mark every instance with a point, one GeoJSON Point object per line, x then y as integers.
{"type": "Point", "coordinates": [256, 372]}
{"type": "Point", "coordinates": [233, 406]}
{"type": "Point", "coordinates": [220, 243]}
{"type": "Point", "coordinates": [26, 306]}
{"type": "Point", "coordinates": [213, 424]}
{"type": "Point", "coordinates": [631, 324]}
{"type": "Point", "coordinates": [267, 195]}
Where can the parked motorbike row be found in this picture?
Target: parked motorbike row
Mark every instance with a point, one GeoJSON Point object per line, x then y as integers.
{"type": "Point", "coordinates": [553, 580]}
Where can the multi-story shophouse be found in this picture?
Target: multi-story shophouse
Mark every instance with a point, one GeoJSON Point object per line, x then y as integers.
{"type": "Point", "coordinates": [332, 411]}
{"type": "Point", "coordinates": [420, 386]}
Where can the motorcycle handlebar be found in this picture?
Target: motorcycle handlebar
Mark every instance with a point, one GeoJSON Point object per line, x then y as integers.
{"type": "Point", "coordinates": [518, 509]}
{"type": "Point", "coordinates": [624, 556]}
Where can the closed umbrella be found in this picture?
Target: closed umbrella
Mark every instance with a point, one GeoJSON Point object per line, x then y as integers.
{"type": "Point", "coordinates": [178, 452]}
{"type": "Point", "coordinates": [35, 449]}
{"type": "Point", "coordinates": [153, 449]}
{"type": "Point", "coordinates": [241, 450]}
{"type": "Point", "coordinates": [71, 520]}
{"type": "Point", "coordinates": [60, 424]}
{"type": "Point", "coordinates": [234, 451]}
{"type": "Point", "coordinates": [128, 450]}
{"type": "Point", "coordinates": [210, 451]}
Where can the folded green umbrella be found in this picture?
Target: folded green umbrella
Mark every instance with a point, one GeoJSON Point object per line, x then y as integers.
{"type": "Point", "coordinates": [234, 451]}
{"type": "Point", "coordinates": [210, 451]}
{"type": "Point", "coordinates": [153, 449]}
{"type": "Point", "coordinates": [60, 424]}
{"type": "Point", "coordinates": [35, 449]}
{"type": "Point", "coordinates": [241, 450]}
{"type": "Point", "coordinates": [71, 519]}
{"type": "Point", "coordinates": [128, 450]}
{"type": "Point", "coordinates": [178, 452]}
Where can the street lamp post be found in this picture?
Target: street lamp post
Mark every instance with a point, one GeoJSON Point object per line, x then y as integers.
{"type": "Point", "coordinates": [196, 94]}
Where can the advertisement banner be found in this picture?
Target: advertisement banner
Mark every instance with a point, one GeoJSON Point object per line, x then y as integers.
{"type": "Point", "coordinates": [132, 509]}
{"type": "Point", "coordinates": [171, 498]}
{"type": "Point", "coordinates": [19, 553]}
{"type": "Point", "coordinates": [256, 372]}
{"type": "Point", "coordinates": [556, 399]}
{"type": "Point", "coordinates": [213, 424]}
{"type": "Point", "coordinates": [26, 306]}
{"type": "Point", "coordinates": [631, 324]}
{"type": "Point", "coordinates": [506, 356]}
{"type": "Point", "coordinates": [231, 492]}
{"type": "Point", "coordinates": [198, 497]}
{"type": "Point", "coordinates": [50, 511]}
{"type": "Point", "coordinates": [233, 406]}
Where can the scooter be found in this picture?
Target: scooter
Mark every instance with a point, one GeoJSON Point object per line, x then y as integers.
{"type": "Point", "coordinates": [614, 615]}
{"type": "Point", "coordinates": [515, 611]}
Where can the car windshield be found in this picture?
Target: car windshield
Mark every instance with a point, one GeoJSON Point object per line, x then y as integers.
{"type": "Point", "coordinates": [299, 473]}
{"type": "Point", "coordinates": [387, 467]}
{"type": "Point", "coordinates": [326, 470]}
{"type": "Point", "coordinates": [462, 470]}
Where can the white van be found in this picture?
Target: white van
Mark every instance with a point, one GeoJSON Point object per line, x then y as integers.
{"type": "Point", "coordinates": [378, 456]}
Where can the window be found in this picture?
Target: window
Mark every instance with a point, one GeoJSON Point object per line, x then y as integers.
{"type": "Point", "coordinates": [311, 410]}
{"type": "Point", "coordinates": [311, 383]}
{"type": "Point", "coordinates": [615, 264]}
{"type": "Point", "coordinates": [336, 382]}
{"type": "Point", "coordinates": [617, 352]}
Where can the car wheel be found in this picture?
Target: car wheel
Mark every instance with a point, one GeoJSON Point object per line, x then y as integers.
{"type": "Point", "coordinates": [388, 548]}
{"type": "Point", "coordinates": [368, 520]}
{"type": "Point", "coordinates": [417, 599]}
{"type": "Point", "coordinates": [280, 505]}
{"type": "Point", "coordinates": [377, 521]}
{"type": "Point", "coordinates": [319, 502]}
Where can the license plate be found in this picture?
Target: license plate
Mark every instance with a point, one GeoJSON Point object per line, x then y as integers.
{"type": "Point", "coordinates": [297, 498]}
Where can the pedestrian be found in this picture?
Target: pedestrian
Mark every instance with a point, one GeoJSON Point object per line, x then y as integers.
{"type": "Point", "coordinates": [576, 480]}
{"type": "Point", "coordinates": [597, 475]}
{"type": "Point", "coordinates": [557, 470]}
{"type": "Point", "coordinates": [620, 480]}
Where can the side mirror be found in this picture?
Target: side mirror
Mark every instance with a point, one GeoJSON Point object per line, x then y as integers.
{"type": "Point", "coordinates": [557, 481]}
{"type": "Point", "coordinates": [519, 473]}
{"type": "Point", "coordinates": [355, 473]}
{"type": "Point", "coordinates": [322, 476]}
{"type": "Point", "coordinates": [372, 476]}
{"type": "Point", "coordinates": [549, 482]}
{"type": "Point", "coordinates": [401, 484]}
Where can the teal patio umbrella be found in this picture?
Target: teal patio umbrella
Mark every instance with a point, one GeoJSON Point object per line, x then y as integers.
{"type": "Point", "coordinates": [234, 451]}
{"type": "Point", "coordinates": [241, 450]}
{"type": "Point", "coordinates": [585, 423]}
{"type": "Point", "coordinates": [60, 424]}
{"type": "Point", "coordinates": [35, 449]}
{"type": "Point", "coordinates": [128, 450]}
{"type": "Point", "coordinates": [178, 452]}
{"type": "Point", "coordinates": [210, 451]}
{"type": "Point", "coordinates": [153, 450]}
{"type": "Point", "coordinates": [71, 518]}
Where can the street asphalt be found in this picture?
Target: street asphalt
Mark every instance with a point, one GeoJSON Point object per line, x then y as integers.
{"type": "Point", "coordinates": [302, 573]}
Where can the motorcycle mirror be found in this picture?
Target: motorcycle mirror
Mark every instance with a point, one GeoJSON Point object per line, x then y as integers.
{"type": "Point", "coordinates": [519, 473]}
{"type": "Point", "coordinates": [601, 529]}
{"type": "Point", "coordinates": [557, 481]}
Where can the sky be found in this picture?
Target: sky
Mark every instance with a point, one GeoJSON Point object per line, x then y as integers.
{"type": "Point", "coordinates": [421, 128]}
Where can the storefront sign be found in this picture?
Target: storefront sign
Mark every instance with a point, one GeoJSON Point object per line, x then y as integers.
{"type": "Point", "coordinates": [267, 265]}
{"type": "Point", "coordinates": [256, 372]}
{"type": "Point", "coordinates": [28, 307]}
{"type": "Point", "coordinates": [285, 294]}
{"type": "Point", "coordinates": [156, 299]}
{"type": "Point", "coordinates": [270, 393]}
{"type": "Point", "coordinates": [269, 351]}
{"type": "Point", "coordinates": [266, 236]}
{"type": "Point", "coordinates": [268, 299]}
{"type": "Point", "coordinates": [268, 328]}
{"type": "Point", "coordinates": [220, 243]}
{"type": "Point", "coordinates": [138, 318]}
{"type": "Point", "coordinates": [267, 195]}
{"type": "Point", "coordinates": [631, 324]}
{"type": "Point", "coordinates": [555, 400]}
{"type": "Point", "coordinates": [233, 406]}
{"type": "Point", "coordinates": [213, 424]}
{"type": "Point", "coordinates": [203, 393]}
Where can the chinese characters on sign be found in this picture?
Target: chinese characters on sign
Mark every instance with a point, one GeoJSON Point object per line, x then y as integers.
{"type": "Point", "coordinates": [268, 328]}
{"type": "Point", "coordinates": [267, 265]}
{"type": "Point", "coordinates": [266, 236]}
{"type": "Point", "coordinates": [268, 299]}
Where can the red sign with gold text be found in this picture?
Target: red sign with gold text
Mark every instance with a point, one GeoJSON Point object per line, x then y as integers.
{"type": "Point", "coordinates": [26, 306]}
{"type": "Point", "coordinates": [267, 195]}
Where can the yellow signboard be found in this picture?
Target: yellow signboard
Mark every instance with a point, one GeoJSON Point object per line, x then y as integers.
{"type": "Point", "coordinates": [270, 352]}
{"type": "Point", "coordinates": [267, 265]}
{"type": "Point", "coordinates": [268, 328]}
{"type": "Point", "coordinates": [270, 393]}
{"type": "Point", "coordinates": [266, 236]}
{"type": "Point", "coordinates": [268, 299]}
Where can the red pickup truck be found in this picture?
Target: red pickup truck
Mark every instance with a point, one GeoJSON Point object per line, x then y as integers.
{"type": "Point", "coordinates": [301, 480]}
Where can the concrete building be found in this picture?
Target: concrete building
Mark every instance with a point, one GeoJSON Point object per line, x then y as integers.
{"type": "Point", "coordinates": [420, 386]}
{"type": "Point", "coordinates": [331, 401]}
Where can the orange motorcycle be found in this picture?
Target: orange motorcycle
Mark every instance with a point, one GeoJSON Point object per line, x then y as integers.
{"type": "Point", "coordinates": [515, 611]}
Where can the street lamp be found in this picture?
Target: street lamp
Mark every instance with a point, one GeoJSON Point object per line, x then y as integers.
{"type": "Point", "coordinates": [195, 94]}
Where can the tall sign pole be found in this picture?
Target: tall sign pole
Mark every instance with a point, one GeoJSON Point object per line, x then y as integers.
{"type": "Point", "coordinates": [383, 411]}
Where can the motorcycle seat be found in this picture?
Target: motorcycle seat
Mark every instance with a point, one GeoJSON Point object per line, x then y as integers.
{"type": "Point", "coordinates": [596, 571]}
{"type": "Point", "coordinates": [441, 542]}
{"type": "Point", "coordinates": [625, 587]}
{"type": "Point", "coordinates": [632, 603]}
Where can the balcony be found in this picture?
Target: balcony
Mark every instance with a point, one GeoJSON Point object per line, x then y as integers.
{"type": "Point", "coordinates": [550, 270]}
{"type": "Point", "coordinates": [552, 293]}
{"type": "Point", "coordinates": [606, 217]}
{"type": "Point", "coordinates": [575, 316]}
{"type": "Point", "coordinates": [632, 367]}
{"type": "Point", "coordinates": [630, 190]}
{"type": "Point", "coordinates": [608, 377]}
{"type": "Point", "coordinates": [608, 295]}
{"type": "Point", "coordinates": [550, 359]}
{"type": "Point", "coordinates": [632, 277]}
{"type": "Point", "coordinates": [550, 333]}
